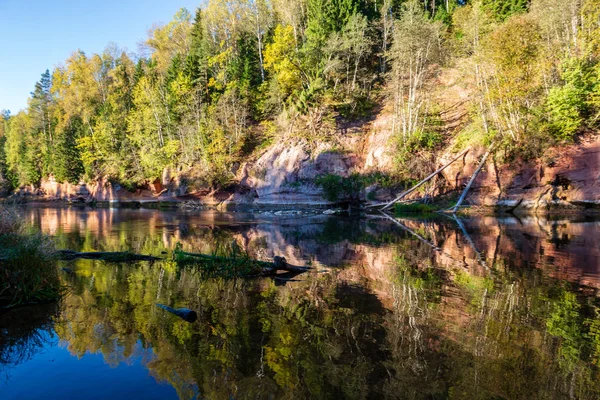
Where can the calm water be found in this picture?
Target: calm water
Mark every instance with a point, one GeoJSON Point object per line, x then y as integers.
{"type": "Point", "coordinates": [479, 308]}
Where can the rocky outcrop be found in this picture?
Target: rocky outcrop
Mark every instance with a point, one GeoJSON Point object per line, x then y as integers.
{"type": "Point", "coordinates": [286, 172]}
{"type": "Point", "coordinates": [567, 177]}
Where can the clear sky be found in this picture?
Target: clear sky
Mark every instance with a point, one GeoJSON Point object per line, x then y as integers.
{"type": "Point", "coordinates": [40, 34]}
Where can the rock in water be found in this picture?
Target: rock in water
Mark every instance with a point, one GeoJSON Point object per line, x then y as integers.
{"type": "Point", "coordinates": [183, 313]}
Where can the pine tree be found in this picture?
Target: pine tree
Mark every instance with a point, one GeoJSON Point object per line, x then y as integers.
{"type": "Point", "coordinates": [196, 65]}
{"type": "Point", "coordinates": [4, 179]}
{"type": "Point", "coordinates": [502, 9]}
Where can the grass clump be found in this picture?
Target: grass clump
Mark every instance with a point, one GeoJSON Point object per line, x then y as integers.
{"type": "Point", "coordinates": [28, 272]}
{"type": "Point", "coordinates": [415, 208]}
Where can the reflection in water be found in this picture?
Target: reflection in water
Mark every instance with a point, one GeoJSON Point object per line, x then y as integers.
{"type": "Point", "coordinates": [21, 338]}
{"type": "Point", "coordinates": [506, 308]}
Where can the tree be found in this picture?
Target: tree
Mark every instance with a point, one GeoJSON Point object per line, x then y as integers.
{"type": "Point", "coordinates": [503, 9]}
{"type": "Point", "coordinates": [170, 40]}
{"type": "Point", "coordinates": [197, 61]}
{"type": "Point", "coordinates": [416, 47]}
{"type": "Point", "coordinates": [40, 105]}
{"type": "Point", "coordinates": [260, 17]}
{"type": "Point", "coordinates": [5, 183]}
{"type": "Point", "coordinates": [281, 59]}
{"type": "Point", "coordinates": [513, 92]}
{"type": "Point", "coordinates": [68, 166]}
{"type": "Point", "coordinates": [293, 14]}
{"type": "Point", "coordinates": [568, 105]}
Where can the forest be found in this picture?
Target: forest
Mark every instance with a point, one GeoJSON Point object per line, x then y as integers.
{"type": "Point", "coordinates": [216, 86]}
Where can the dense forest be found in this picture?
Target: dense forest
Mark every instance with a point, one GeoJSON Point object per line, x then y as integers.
{"type": "Point", "coordinates": [211, 89]}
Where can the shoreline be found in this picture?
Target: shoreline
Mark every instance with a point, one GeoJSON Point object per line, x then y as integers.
{"type": "Point", "coordinates": [500, 209]}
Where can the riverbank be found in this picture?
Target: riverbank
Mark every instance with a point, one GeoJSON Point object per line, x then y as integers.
{"type": "Point", "coordinates": [565, 180]}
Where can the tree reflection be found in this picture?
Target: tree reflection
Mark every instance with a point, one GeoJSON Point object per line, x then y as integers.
{"type": "Point", "coordinates": [24, 332]}
{"type": "Point", "coordinates": [402, 320]}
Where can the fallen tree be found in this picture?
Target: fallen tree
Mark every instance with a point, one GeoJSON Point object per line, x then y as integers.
{"type": "Point", "coordinates": [415, 187]}
{"type": "Point", "coordinates": [473, 177]}
{"type": "Point", "coordinates": [228, 266]}
{"type": "Point", "coordinates": [68, 255]}
{"type": "Point", "coordinates": [236, 265]}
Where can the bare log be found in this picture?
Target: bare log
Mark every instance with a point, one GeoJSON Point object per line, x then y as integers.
{"type": "Point", "coordinates": [477, 171]}
{"type": "Point", "coordinates": [513, 208]}
{"type": "Point", "coordinates": [391, 203]}
{"type": "Point", "coordinates": [68, 255]}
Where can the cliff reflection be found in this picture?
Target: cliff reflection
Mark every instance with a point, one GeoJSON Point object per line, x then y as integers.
{"type": "Point", "coordinates": [384, 314]}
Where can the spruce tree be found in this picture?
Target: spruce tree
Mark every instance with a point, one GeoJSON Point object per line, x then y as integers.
{"type": "Point", "coordinates": [68, 166]}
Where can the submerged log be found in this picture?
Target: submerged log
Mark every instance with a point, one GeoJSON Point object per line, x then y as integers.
{"type": "Point", "coordinates": [267, 268]}
{"type": "Point", "coordinates": [184, 313]}
{"type": "Point", "coordinates": [67, 255]}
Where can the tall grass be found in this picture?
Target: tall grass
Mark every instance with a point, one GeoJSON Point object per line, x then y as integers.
{"type": "Point", "coordinates": [28, 271]}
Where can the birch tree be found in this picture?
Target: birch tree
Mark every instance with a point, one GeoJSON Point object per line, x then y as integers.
{"type": "Point", "coordinates": [416, 48]}
{"type": "Point", "coordinates": [259, 15]}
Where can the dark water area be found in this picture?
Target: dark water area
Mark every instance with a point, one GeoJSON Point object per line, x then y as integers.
{"type": "Point", "coordinates": [438, 308]}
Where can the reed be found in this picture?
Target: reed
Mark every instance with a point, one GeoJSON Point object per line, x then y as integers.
{"type": "Point", "coordinates": [28, 270]}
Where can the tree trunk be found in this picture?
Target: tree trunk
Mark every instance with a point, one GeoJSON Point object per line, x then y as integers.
{"type": "Point", "coordinates": [391, 203]}
{"type": "Point", "coordinates": [477, 171]}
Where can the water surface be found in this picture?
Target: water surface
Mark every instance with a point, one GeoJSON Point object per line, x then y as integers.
{"type": "Point", "coordinates": [478, 308]}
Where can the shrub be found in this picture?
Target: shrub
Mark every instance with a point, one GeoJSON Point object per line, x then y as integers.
{"type": "Point", "coordinates": [337, 187]}
{"type": "Point", "coordinates": [564, 106]}
{"type": "Point", "coordinates": [568, 105]}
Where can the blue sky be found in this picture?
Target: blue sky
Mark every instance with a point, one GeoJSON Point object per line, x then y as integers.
{"type": "Point", "coordinates": [40, 34]}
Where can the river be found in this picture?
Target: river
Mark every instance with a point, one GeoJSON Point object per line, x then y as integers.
{"type": "Point", "coordinates": [406, 308]}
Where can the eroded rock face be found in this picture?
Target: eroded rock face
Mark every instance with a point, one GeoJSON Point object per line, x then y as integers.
{"type": "Point", "coordinates": [569, 176]}
{"type": "Point", "coordinates": [378, 147]}
{"type": "Point", "coordinates": [285, 173]}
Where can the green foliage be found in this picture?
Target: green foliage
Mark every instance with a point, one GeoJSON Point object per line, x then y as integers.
{"type": "Point", "coordinates": [29, 271]}
{"type": "Point", "coordinates": [569, 105]}
{"type": "Point", "coordinates": [337, 187]}
{"type": "Point", "coordinates": [68, 166]}
{"type": "Point", "coordinates": [414, 208]}
{"type": "Point", "coordinates": [196, 103]}
{"type": "Point", "coordinates": [503, 9]}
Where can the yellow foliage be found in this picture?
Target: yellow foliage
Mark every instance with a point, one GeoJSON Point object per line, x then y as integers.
{"type": "Point", "coordinates": [280, 59]}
